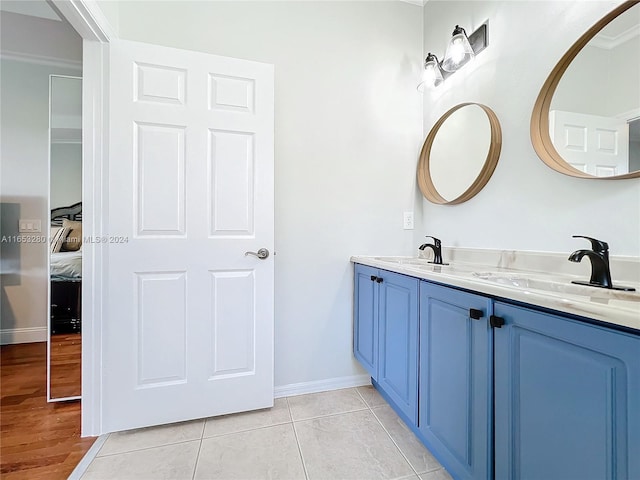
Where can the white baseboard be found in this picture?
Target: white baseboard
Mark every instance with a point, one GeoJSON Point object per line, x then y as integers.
{"type": "Point", "coordinates": [10, 336]}
{"type": "Point", "coordinates": [321, 385]}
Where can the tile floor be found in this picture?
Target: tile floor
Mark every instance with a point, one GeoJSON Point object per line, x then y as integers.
{"type": "Point", "coordinates": [341, 434]}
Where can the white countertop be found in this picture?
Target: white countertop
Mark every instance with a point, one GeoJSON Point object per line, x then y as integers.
{"type": "Point", "coordinates": [550, 290]}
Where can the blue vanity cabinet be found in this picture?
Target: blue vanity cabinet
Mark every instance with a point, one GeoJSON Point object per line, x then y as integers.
{"type": "Point", "coordinates": [386, 334]}
{"type": "Point", "coordinates": [567, 398]}
{"type": "Point", "coordinates": [365, 328]}
{"type": "Point", "coordinates": [455, 411]}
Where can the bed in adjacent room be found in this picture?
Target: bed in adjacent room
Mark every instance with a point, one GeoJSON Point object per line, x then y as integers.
{"type": "Point", "coordinates": [66, 269]}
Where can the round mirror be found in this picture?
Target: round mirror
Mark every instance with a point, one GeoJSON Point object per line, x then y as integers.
{"type": "Point", "coordinates": [586, 120]}
{"type": "Point", "coordinates": [460, 154]}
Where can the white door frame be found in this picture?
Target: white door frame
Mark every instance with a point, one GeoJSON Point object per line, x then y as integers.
{"type": "Point", "coordinates": [87, 19]}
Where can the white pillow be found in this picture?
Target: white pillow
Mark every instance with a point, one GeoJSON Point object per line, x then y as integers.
{"type": "Point", "coordinates": [54, 231]}
{"type": "Point", "coordinates": [59, 238]}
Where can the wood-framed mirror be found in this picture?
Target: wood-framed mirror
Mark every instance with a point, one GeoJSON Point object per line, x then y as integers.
{"type": "Point", "coordinates": [459, 154]}
{"type": "Point", "coordinates": [586, 119]}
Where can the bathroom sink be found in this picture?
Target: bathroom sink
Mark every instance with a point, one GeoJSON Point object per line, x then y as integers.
{"type": "Point", "coordinates": [404, 260]}
{"type": "Point", "coordinates": [513, 279]}
{"type": "Point", "coordinates": [558, 285]}
{"type": "Point", "coordinates": [425, 264]}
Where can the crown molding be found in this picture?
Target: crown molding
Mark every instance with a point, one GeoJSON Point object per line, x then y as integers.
{"type": "Point", "coordinates": [420, 3]}
{"type": "Point", "coordinates": [608, 42]}
{"type": "Point", "coordinates": [41, 60]}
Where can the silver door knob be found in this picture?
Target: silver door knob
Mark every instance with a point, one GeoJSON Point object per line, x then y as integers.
{"type": "Point", "coordinates": [261, 254]}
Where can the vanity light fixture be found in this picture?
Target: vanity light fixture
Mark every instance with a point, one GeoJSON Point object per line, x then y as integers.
{"type": "Point", "coordinates": [461, 50]}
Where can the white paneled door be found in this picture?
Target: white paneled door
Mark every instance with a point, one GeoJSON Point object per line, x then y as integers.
{"type": "Point", "coordinates": [189, 328]}
{"type": "Point", "coordinates": [591, 143]}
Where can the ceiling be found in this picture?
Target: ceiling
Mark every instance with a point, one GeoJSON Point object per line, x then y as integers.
{"type": "Point", "coordinates": [619, 30]}
{"type": "Point", "coordinates": [40, 8]}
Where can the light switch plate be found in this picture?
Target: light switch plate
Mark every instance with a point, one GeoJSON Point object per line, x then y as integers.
{"type": "Point", "coordinates": [29, 226]}
{"type": "Point", "coordinates": [408, 221]}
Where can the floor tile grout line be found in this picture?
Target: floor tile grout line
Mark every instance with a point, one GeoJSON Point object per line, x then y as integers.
{"type": "Point", "coordinates": [150, 448]}
{"type": "Point", "coordinates": [331, 414]}
{"type": "Point", "coordinates": [286, 399]}
{"type": "Point", "coordinates": [362, 397]}
{"type": "Point", "coordinates": [204, 427]}
{"type": "Point", "coordinates": [295, 433]}
{"type": "Point", "coordinates": [195, 466]}
{"type": "Point", "coordinates": [434, 470]}
{"type": "Point", "coordinates": [395, 443]}
{"type": "Point", "coordinates": [304, 464]}
{"type": "Point", "coordinates": [371, 407]}
{"type": "Point", "coordinates": [262, 427]}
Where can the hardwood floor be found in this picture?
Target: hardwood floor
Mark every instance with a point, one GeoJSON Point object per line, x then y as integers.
{"type": "Point", "coordinates": [38, 440]}
{"type": "Point", "coordinates": [66, 361]}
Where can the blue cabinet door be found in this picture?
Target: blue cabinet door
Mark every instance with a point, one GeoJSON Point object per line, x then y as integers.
{"type": "Point", "coordinates": [567, 399]}
{"type": "Point", "coordinates": [365, 317]}
{"type": "Point", "coordinates": [456, 380]}
{"type": "Point", "coordinates": [398, 341]}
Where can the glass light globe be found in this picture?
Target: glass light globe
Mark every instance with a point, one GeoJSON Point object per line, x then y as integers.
{"type": "Point", "coordinates": [431, 76]}
{"type": "Point", "coordinates": [458, 52]}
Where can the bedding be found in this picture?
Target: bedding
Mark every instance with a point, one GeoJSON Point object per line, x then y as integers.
{"type": "Point", "coordinates": [58, 237]}
{"type": "Point", "coordinates": [73, 240]}
{"type": "Point", "coordinates": [66, 265]}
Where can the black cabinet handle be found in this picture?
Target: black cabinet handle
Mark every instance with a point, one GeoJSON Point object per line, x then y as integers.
{"type": "Point", "coordinates": [475, 313]}
{"type": "Point", "coordinates": [379, 280]}
{"type": "Point", "coordinates": [373, 278]}
{"type": "Point", "coordinates": [496, 322]}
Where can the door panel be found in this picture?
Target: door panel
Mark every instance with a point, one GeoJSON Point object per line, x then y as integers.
{"type": "Point", "coordinates": [233, 320]}
{"type": "Point", "coordinates": [398, 334]}
{"type": "Point", "coordinates": [591, 143]}
{"type": "Point", "coordinates": [448, 389]}
{"type": "Point", "coordinates": [566, 398]}
{"type": "Point", "coordinates": [159, 83]}
{"type": "Point", "coordinates": [161, 320]}
{"type": "Point", "coordinates": [159, 192]}
{"type": "Point", "coordinates": [456, 380]}
{"type": "Point", "coordinates": [189, 332]}
{"type": "Point", "coordinates": [231, 186]}
{"type": "Point", "coordinates": [235, 94]}
{"type": "Point", "coordinates": [365, 336]}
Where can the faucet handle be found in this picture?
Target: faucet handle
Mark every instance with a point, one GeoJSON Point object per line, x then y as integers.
{"type": "Point", "coordinates": [436, 241]}
{"type": "Point", "coordinates": [596, 245]}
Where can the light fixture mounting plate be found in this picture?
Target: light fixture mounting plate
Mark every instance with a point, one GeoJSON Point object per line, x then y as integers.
{"type": "Point", "coordinates": [479, 39]}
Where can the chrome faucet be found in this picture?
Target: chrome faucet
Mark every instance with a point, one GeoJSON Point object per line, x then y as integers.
{"type": "Point", "coordinates": [436, 246]}
{"type": "Point", "coordinates": [599, 256]}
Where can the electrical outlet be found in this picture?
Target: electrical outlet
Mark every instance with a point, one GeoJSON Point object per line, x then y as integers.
{"type": "Point", "coordinates": [408, 221]}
